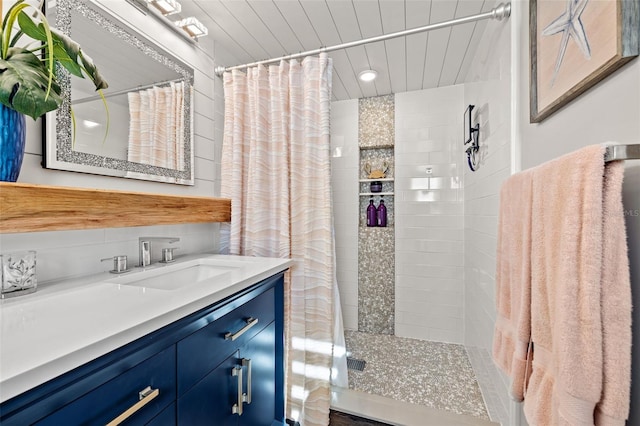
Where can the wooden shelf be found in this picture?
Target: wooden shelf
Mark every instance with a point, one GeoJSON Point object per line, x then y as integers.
{"type": "Point", "coordinates": [33, 208]}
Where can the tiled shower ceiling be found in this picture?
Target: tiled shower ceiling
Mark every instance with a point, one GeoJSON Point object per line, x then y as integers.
{"type": "Point", "coordinates": [261, 29]}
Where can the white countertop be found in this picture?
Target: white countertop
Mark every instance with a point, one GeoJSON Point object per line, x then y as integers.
{"type": "Point", "coordinates": [66, 324]}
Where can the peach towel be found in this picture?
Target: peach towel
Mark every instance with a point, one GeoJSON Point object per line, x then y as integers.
{"type": "Point", "coordinates": [513, 281]}
{"type": "Point", "coordinates": [580, 294]}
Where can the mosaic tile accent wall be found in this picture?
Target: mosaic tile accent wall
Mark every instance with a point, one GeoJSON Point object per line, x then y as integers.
{"type": "Point", "coordinates": [376, 280]}
{"type": "Point", "coordinates": [376, 122]}
{"type": "Point", "coordinates": [376, 246]}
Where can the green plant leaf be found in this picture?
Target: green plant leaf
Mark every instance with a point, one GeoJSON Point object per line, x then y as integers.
{"type": "Point", "coordinates": [30, 28]}
{"type": "Point", "coordinates": [15, 38]}
{"type": "Point", "coordinates": [76, 54]}
{"type": "Point", "coordinates": [92, 71]}
{"type": "Point", "coordinates": [65, 50]}
{"type": "Point", "coordinates": [63, 58]}
{"type": "Point", "coordinates": [24, 82]}
{"type": "Point", "coordinates": [7, 25]}
{"type": "Point", "coordinates": [39, 32]}
{"type": "Point", "coordinates": [27, 82]}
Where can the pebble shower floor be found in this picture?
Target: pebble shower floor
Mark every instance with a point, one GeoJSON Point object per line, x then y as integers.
{"type": "Point", "coordinates": [433, 374]}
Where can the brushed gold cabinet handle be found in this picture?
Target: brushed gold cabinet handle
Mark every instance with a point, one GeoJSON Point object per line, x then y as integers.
{"type": "Point", "coordinates": [233, 336]}
{"type": "Point", "coordinates": [237, 408]}
{"type": "Point", "coordinates": [146, 396]}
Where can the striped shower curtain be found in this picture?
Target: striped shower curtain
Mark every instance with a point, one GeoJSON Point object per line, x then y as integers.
{"type": "Point", "coordinates": [156, 128]}
{"type": "Point", "coordinates": [276, 170]}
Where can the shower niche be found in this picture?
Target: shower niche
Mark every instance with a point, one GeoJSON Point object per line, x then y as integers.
{"type": "Point", "coordinates": [376, 244]}
{"type": "Point", "coordinates": [379, 188]}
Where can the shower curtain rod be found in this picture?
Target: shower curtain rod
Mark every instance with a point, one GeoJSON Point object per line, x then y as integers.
{"type": "Point", "coordinates": [124, 91]}
{"type": "Point", "coordinates": [502, 11]}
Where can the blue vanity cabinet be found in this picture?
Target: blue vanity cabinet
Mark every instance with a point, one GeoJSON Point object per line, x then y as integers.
{"type": "Point", "coordinates": [207, 347]}
{"type": "Point", "coordinates": [227, 369]}
{"type": "Point", "coordinates": [108, 401]}
{"type": "Point", "coordinates": [189, 363]}
{"type": "Point", "coordinates": [258, 358]}
{"type": "Point", "coordinates": [211, 400]}
{"type": "Point", "coordinates": [242, 390]}
{"type": "Point", "coordinates": [166, 417]}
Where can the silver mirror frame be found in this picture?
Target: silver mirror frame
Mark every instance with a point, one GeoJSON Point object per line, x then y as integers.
{"type": "Point", "coordinates": [58, 140]}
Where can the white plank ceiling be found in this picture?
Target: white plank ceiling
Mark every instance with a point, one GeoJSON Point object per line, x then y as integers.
{"type": "Point", "coordinates": [261, 29]}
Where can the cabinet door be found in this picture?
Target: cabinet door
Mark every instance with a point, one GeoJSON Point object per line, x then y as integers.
{"type": "Point", "coordinates": [120, 395]}
{"type": "Point", "coordinates": [202, 351]}
{"type": "Point", "coordinates": [259, 363]}
{"type": "Point", "coordinates": [211, 400]}
{"type": "Point", "coordinates": [166, 418]}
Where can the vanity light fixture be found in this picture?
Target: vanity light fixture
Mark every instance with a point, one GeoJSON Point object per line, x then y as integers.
{"type": "Point", "coordinates": [166, 7]}
{"type": "Point", "coordinates": [368, 75]}
{"type": "Point", "coordinates": [193, 27]}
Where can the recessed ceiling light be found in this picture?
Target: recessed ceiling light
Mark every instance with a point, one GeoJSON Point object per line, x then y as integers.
{"type": "Point", "coordinates": [368, 75]}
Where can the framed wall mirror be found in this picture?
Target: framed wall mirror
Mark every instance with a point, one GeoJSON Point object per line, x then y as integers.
{"type": "Point", "coordinates": [146, 129]}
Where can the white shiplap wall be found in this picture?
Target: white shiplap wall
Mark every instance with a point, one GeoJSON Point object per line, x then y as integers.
{"type": "Point", "coordinates": [429, 225]}
{"type": "Point", "coordinates": [258, 29]}
{"type": "Point", "coordinates": [73, 253]}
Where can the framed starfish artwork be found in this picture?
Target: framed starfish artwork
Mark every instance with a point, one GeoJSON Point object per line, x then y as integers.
{"type": "Point", "coordinates": [574, 44]}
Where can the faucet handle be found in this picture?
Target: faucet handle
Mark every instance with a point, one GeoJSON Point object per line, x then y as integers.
{"type": "Point", "coordinates": [119, 263]}
{"type": "Point", "coordinates": [145, 252]}
{"type": "Point", "coordinates": [167, 254]}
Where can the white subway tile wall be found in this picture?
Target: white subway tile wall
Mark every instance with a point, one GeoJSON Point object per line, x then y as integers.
{"type": "Point", "coordinates": [429, 214]}
{"type": "Point", "coordinates": [345, 187]}
{"type": "Point", "coordinates": [488, 88]}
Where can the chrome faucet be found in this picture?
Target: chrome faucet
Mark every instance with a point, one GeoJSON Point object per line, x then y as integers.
{"type": "Point", "coordinates": [144, 244]}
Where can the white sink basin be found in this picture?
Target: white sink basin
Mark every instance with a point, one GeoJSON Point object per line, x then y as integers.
{"type": "Point", "coordinates": [174, 277]}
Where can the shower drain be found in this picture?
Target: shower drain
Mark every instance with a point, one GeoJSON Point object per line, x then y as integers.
{"type": "Point", "coordinates": [355, 364]}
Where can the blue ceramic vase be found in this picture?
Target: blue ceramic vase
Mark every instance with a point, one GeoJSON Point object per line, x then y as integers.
{"type": "Point", "coordinates": [12, 136]}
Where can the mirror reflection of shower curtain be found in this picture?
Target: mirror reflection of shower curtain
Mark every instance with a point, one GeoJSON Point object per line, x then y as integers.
{"type": "Point", "coordinates": [156, 128]}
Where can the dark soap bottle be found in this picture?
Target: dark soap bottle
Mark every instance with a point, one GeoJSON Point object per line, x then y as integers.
{"type": "Point", "coordinates": [382, 214]}
{"type": "Point", "coordinates": [371, 214]}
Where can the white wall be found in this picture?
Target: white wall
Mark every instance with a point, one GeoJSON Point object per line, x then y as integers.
{"type": "Point", "coordinates": [344, 184]}
{"type": "Point", "coordinates": [488, 87]}
{"type": "Point", "coordinates": [73, 253]}
{"type": "Point", "coordinates": [429, 225]}
{"type": "Point", "coordinates": [608, 112]}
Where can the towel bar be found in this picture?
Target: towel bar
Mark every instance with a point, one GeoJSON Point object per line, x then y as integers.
{"type": "Point", "coordinates": [622, 152]}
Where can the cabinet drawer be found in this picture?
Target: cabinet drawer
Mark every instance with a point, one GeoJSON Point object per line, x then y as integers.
{"type": "Point", "coordinates": [108, 401]}
{"type": "Point", "coordinates": [202, 351]}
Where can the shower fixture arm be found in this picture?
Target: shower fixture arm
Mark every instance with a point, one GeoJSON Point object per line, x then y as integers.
{"type": "Point", "coordinates": [472, 137]}
{"type": "Point", "coordinates": [500, 12]}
